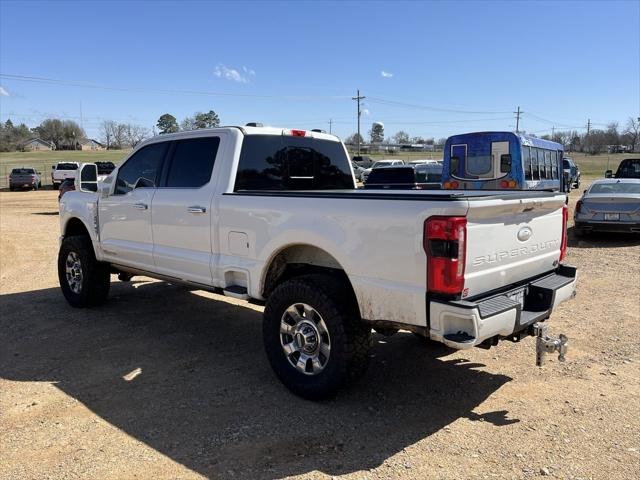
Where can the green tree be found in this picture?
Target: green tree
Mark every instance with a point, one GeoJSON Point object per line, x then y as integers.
{"type": "Point", "coordinates": [207, 120]}
{"type": "Point", "coordinates": [167, 123]}
{"type": "Point", "coordinates": [377, 132]}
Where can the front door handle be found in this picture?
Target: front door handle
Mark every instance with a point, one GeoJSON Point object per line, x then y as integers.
{"type": "Point", "coordinates": [195, 209]}
{"type": "Point", "coordinates": [140, 206]}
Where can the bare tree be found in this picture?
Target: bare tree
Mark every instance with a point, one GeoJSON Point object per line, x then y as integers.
{"type": "Point", "coordinates": [632, 132]}
{"type": "Point", "coordinates": [401, 137]}
{"type": "Point", "coordinates": [135, 134]}
{"type": "Point", "coordinates": [107, 129]}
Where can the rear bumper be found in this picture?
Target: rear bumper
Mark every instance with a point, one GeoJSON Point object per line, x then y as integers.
{"type": "Point", "coordinates": [463, 324]}
{"type": "Point", "coordinates": [628, 227]}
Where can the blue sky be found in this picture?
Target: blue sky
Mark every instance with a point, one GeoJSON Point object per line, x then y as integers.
{"type": "Point", "coordinates": [449, 67]}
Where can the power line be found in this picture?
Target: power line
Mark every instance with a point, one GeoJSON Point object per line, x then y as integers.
{"type": "Point", "coordinates": [83, 84]}
{"type": "Point", "coordinates": [429, 107]}
{"type": "Point", "coordinates": [357, 98]}
{"type": "Point", "coordinates": [518, 113]}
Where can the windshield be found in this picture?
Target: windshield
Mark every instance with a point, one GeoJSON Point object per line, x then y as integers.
{"type": "Point", "coordinates": [383, 163]}
{"type": "Point", "coordinates": [615, 188]}
{"type": "Point", "coordinates": [23, 171]}
{"type": "Point", "coordinates": [479, 164]}
{"type": "Point", "coordinates": [66, 166]}
{"type": "Point", "coordinates": [566, 164]}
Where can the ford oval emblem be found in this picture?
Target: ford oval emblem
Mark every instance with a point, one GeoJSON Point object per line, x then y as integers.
{"type": "Point", "coordinates": [524, 234]}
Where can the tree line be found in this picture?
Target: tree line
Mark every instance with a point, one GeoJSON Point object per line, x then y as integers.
{"type": "Point", "coordinates": [167, 123]}
{"type": "Point", "coordinates": [63, 134]}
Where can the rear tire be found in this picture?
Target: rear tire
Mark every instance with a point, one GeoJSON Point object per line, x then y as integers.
{"type": "Point", "coordinates": [84, 281]}
{"type": "Point", "coordinates": [324, 302]}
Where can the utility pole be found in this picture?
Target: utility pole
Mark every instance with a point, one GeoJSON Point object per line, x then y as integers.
{"type": "Point", "coordinates": [553, 132]}
{"type": "Point", "coordinates": [330, 124]}
{"type": "Point", "coordinates": [518, 113]}
{"type": "Point", "coordinates": [588, 126]}
{"type": "Point", "coordinates": [81, 119]}
{"type": "Point", "coordinates": [357, 98]}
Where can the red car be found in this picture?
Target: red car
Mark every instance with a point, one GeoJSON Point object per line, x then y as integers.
{"type": "Point", "coordinates": [67, 186]}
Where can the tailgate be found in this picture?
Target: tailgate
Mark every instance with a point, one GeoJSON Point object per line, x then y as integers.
{"type": "Point", "coordinates": [510, 240]}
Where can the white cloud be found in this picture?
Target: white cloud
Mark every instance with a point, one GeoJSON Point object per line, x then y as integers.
{"type": "Point", "coordinates": [243, 76]}
{"type": "Point", "coordinates": [4, 93]}
{"type": "Point", "coordinates": [386, 74]}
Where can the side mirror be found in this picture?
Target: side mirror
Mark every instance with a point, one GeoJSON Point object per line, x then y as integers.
{"type": "Point", "coordinates": [144, 183]}
{"type": "Point", "coordinates": [608, 174]}
{"type": "Point", "coordinates": [505, 163]}
{"type": "Point", "coordinates": [87, 180]}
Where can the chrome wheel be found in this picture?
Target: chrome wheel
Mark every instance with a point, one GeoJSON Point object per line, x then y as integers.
{"type": "Point", "coordinates": [74, 272]}
{"type": "Point", "coordinates": [305, 339]}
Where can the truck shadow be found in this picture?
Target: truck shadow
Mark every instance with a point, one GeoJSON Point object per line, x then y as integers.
{"type": "Point", "coordinates": [601, 239]}
{"type": "Point", "coordinates": [205, 396]}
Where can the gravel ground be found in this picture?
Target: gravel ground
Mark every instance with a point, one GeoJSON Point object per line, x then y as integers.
{"type": "Point", "coordinates": [164, 382]}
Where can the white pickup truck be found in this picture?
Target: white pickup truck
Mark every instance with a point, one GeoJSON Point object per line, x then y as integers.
{"type": "Point", "coordinates": [62, 171]}
{"type": "Point", "coordinates": [273, 215]}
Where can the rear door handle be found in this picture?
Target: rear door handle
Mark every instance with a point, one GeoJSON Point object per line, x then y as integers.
{"type": "Point", "coordinates": [196, 209]}
{"type": "Point", "coordinates": [140, 206]}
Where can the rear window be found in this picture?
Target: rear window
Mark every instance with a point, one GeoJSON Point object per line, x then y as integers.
{"type": "Point", "coordinates": [614, 188]}
{"type": "Point", "coordinates": [192, 162]}
{"type": "Point", "coordinates": [23, 171]}
{"type": "Point", "coordinates": [66, 166]}
{"type": "Point", "coordinates": [392, 175]}
{"type": "Point", "coordinates": [278, 162]}
{"type": "Point", "coordinates": [105, 168]}
{"type": "Point", "coordinates": [629, 169]}
{"type": "Point", "coordinates": [428, 174]}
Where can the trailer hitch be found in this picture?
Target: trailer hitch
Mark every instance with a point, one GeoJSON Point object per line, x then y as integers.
{"type": "Point", "coordinates": [547, 344]}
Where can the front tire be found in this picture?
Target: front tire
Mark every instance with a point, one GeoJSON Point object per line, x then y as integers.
{"type": "Point", "coordinates": [84, 281]}
{"type": "Point", "coordinates": [313, 336]}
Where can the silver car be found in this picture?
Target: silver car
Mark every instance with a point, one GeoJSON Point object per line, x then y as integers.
{"type": "Point", "coordinates": [609, 205]}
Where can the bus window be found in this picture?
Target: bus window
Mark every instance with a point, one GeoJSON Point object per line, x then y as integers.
{"type": "Point", "coordinates": [554, 164]}
{"type": "Point", "coordinates": [547, 163]}
{"type": "Point", "coordinates": [543, 173]}
{"type": "Point", "coordinates": [458, 154]}
{"type": "Point", "coordinates": [526, 163]}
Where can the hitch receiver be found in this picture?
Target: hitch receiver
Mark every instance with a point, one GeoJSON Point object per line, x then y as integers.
{"type": "Point", "coordinates": [547, 344]}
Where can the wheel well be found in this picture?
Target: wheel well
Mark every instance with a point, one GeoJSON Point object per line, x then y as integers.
{"type": "Point", "coordinates": [297, 260]}
{"type": "Point", "coordinates": [75, 227]}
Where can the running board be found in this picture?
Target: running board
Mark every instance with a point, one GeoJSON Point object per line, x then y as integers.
{"type": "Point", "coordinates": [236, 291]}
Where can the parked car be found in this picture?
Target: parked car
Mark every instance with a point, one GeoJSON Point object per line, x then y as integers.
{"type": "Point", "coordinates": [278, 219]}
{"type": "Point", "coordinates": [425, 162]}
{"type": "Point", "coordinates": [363, 161]}
{"type": "Point", "coordinates": [380, 164]}
{"type": "Point", "coordinates": [628, 168]}
{"type": "Point", "coordinates": [609, 205]}
{"type": "Point", "coordinates": [105, 169]}
{"type": "Point", "coordinates": [571, 173]}
{"type": "Point", "coordinates": [62, 171]}
{"type": "Point", "coordinates": [24, 177]}
{"type": "Point", "coordinates": [67, 186]}
{"type": "Point", "coordinates": [406, 177]}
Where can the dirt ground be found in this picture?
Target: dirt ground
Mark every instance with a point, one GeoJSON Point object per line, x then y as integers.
{"type": "Point", "coordinates": [164, 382]}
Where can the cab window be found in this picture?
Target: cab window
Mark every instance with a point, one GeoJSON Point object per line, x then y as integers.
{"type": "Point", "coordinates": [142, 169]}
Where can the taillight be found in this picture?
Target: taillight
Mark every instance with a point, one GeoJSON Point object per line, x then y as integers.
{"type": "Point", "coordinates": [451, 185]}
{"type": "Point", "coordinates": [578, 206]}
{"type": "Point", "coordinates": [563, 243]}
{"type": "Point", "coordinates": [508, 184]}
{"type": "Point", "coordinates": [445, 246]}
{"type": "Point", "coordinates": [298, 133]}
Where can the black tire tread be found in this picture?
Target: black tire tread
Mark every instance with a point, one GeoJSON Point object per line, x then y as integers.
{"type": "Point", "coordinates": [340, 312]}
{"type": "Point", "coordinates": [96, 275]}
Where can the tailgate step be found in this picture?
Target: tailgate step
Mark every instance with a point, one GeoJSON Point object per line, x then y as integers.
{"type": "Point", "coordinates": [553, 282]}
{"type": "Point", "coordinates": [493, 306]}
{"type": "Point", "coordinates": [460, 337]}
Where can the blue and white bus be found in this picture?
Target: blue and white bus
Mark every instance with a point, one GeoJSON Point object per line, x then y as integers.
{"type": "Point", "coordinates": [501, 160]}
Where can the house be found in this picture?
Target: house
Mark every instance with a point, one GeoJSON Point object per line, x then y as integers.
{"type": "Point", "coordinates": [89, 144]}
{"type": "Point", "coordinates": [36, 144]}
